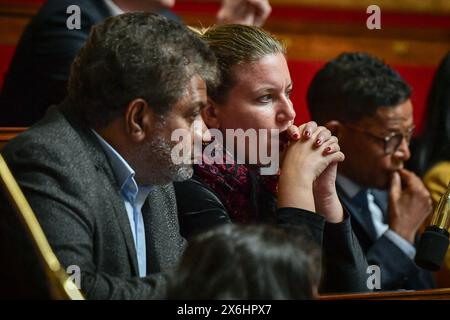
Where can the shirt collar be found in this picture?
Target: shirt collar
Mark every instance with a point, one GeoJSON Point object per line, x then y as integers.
{"type": "Point", "coordinates": [123, 172]}
{"type": "Point", "coordinates": [113, 8]}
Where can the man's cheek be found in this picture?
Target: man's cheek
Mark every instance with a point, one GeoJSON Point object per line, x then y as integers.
{"type": "Point", "coordinates": [384, 168]}
{"type": "Point", "coordinates": [387, 163]}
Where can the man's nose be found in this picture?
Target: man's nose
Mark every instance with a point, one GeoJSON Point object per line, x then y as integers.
{"type": "Point", "coordinates": [403, 152]}
{"type": "Point", "coordinates": [201, 131]}
{"type": "Point", "coordinates": [206, 134]}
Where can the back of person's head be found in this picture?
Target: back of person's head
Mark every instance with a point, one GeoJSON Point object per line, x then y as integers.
{"type": "Point", "coordinates": [235, 44]}
{"type": "Point", "coordinates": [136, 55]}
{"type": "Point", "coordinates": [434, 143]}
{"type": "Point", "coordinates": [353, 86]}
{"type": "Point", "coordinates": [247, 262]}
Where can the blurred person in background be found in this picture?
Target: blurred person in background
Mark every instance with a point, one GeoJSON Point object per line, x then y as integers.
{"type": "Point", "coordinates": [431, 150]}
{"type": "Point", "coordinates": [38, 73]}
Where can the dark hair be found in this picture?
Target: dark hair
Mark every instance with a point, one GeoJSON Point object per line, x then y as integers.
{"type": "Point", "coordinates": [353, 86]}
{"type": "Point", "coordinates": [235, 44]}
{"type": "Point", "coordinates": [136, 55]}
{"type": "Point", "coordinates": [433, 145]}
{"type": "Point", "coordinates": [247, 262]}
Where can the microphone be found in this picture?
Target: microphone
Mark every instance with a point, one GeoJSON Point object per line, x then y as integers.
{"type": "Point", "coordinates": [433, 244]}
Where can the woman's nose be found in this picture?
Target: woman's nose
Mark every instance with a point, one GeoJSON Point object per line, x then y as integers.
{"type": "Point", "coordinates": [287, 112]}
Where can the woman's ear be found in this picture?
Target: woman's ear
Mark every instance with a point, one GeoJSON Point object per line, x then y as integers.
{"type": "Point", "coordinates": [139, 120]}
{"type": "Point", "coordinates": [210, 115]}
{"type": "Point", "coordinates": [335, 127]}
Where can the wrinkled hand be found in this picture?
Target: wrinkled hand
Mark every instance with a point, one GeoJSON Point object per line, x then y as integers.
{"type": "Point", "coordinates": [408, 206]}
{"type": "Point", "coordinates": [306, 161]}
{"type": "Point", "coordinates": [248, 12]}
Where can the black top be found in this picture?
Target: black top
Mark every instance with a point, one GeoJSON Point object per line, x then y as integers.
{"type": "Point", "coordinates": [344, 264]}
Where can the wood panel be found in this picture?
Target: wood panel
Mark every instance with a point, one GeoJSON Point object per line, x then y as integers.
{"type": "Point", "coordinates": [7, 133]}
{"type": "Point", "coordinates": [428, 6]}
{"type": "Point", "coordinates": [322, 42]}
{"type": "Point", "coordinates": [307, 39]}
{"type": "Point", "coordinates": [13, 20]}
{"type": "Point", "coordinates": [434, 294]}
{"type": "Point", "coordinates": [320, 34]}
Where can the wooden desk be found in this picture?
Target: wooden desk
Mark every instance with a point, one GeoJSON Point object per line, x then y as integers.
{"type": "Point", "coordinates": [434, 294]}
{"type": "Point", "coordinates": [7, 133]}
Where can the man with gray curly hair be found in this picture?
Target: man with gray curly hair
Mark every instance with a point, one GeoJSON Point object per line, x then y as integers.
{"type": "Point", "coordinates": [97, 169]}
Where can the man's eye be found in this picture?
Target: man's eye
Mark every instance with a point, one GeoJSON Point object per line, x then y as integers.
{"type": "Point", "coordinates": [193, 115]}
{"type": "Point", "coordinates": [196, 114]}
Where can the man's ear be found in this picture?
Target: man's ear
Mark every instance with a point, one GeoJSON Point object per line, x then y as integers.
{"type": "Point", "coordinates": [335, 127]}
{"type": "Point", "coordinates": [139, 118]}
{"type": "Point", "coordinates": [210, 115]}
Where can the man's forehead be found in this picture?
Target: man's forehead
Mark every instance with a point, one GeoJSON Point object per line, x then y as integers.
{"type": "Point", "coordinates": [197, 91]}
{"type": "Point", "coordinates": [195, 94]}
{"type": "Point", "coordinates": [397, 116]}
{"type": "Point", "coordinates": [196, 86]}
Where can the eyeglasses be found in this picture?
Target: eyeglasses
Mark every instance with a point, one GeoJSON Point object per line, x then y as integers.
{"type": "Point", "coordinates": [392, 141]}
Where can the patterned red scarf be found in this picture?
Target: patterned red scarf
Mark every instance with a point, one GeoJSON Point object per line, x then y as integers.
{"type": "Point", "coordinates": [248, 196]}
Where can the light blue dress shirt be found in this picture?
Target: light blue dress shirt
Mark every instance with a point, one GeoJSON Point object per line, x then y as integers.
{"type": "Point", "coordinates": [134, 197]}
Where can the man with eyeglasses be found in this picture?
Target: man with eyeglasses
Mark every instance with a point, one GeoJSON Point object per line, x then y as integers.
{"type": "Point", "coordinates": [366, 104]}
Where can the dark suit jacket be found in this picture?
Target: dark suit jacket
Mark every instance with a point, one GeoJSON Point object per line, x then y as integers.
{"type": "Point", "coordinates": [398, 271]}
{"type": "Point", "coordinates": [70, 185]}
{"type": "Point", "coordinates": [38, 74]}
{"type": "Point", "coordinates": [344, 264]}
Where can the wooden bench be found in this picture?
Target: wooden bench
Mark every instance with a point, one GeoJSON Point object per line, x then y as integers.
{"type": "Point", "coordinates": [7, 133]}
{"type": "Point", "coordinates": [433, 294]}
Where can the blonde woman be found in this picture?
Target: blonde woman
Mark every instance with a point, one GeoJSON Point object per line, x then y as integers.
{"type": "Point", "coordinates": [254, 94]}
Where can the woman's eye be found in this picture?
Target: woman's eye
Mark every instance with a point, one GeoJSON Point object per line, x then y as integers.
{"type": "Point", "coordinates": [265, 99]}
{"type": "Point", "coordinates": [288, 94]}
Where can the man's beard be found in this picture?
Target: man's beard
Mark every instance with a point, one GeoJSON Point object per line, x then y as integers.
{"type": "Point", "coordinates": [156, 154]}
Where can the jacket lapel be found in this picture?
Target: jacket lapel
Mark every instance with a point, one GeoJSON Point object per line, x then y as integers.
{"type": "Point", "coordinates": [361, 216]}
{"type": "Point", "coordinates": [122, 218]}
{"type": "Point", "coordinates": [109, 186]}
{"type": "Point", "coordinates": [163, 240]}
